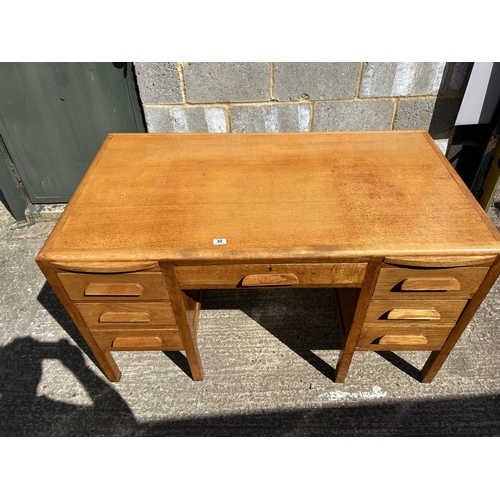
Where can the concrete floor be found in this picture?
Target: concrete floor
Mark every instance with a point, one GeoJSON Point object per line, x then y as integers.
{"type": "Point", "coordinates": [268, 359]}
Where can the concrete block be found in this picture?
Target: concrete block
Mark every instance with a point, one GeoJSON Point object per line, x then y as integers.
{"type": "Point", "coordinates": [185, 119]}
{"type": "Point", "coordinates": [435, 115]}
{"type": "Point", "coordinates": [158, 82]}
{"type": "Point", "coordinates": [316, 81]}
{"type": "Point", "coordinates": [271, 118]}
{"type": "Point", "coordinates": [227, 82]}
{"type": "Point", "coordinates": [401, 79]}
{"type": "Point", "coordinates": [414, 114]}
{"type": "Point", "coordinates": [354, 115]}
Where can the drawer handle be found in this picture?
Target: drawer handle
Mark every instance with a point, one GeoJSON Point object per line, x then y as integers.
{"type": "Point", "coordinates": [403, 339]}
{"type": "Point", "coordinates": [270, 279]}
{"type": "Point", "coordinates": [414, 314]}
{"type": "Point", "coordinates": [124, 317]}
{"type": "Point", "coordinates": [430, 284]}
{"type": "Point", "coordinates": [137, 342]}
{"type": "Point", "coordinates": [114, 289]}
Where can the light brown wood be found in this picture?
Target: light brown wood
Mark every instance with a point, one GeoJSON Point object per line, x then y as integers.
{"type": "Point", "coordinates": [350, 341]}
{"type": "Point", "coordinates": [287, 204]}
{"type": "Point", "coordinates": [106, 267]}
{"type": "Point", "coordinates": [87, 286]}
{"type": "Point", "coordinates": [103, 358]}
{"type": "Point", "coordinates": [430, 314]}
{"type": "Point", "coordinates": [448, 311]}
{"type": "Point", "coordinates": [391, 281]}
{"type": "Point", "coordinates": [170, 340]}
{"type": "Point", "coordinates": [430, 284]}
{"type": "Point", "coordinates": [268, 195]}
{"type": "Point", "coordinates": [403, 340]}
{"type": "Point", "coordinates": [271, 279]}
{"type": "Point", "coordinates": [113, 289]}
{"type": "Point", "coordinates": [186, 319]}
{"type": "Point", "coordinates": [124, 317]}
{"type": "Point", "coordinates": [346, 300]}
{"type": "Point", "coordinates": [98, 315]}
{"type": "Point", "coordinates": [442, 261]}
{"type": "Point", "coordinates": [132, 342]}
{"type": "Point", "coordinates": [231, 276]}
{"type": "Point", "coordinates": [435, 335]}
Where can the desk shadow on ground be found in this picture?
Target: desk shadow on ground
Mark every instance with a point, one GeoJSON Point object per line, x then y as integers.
{"type": "Point", "coordinates": [23, 413]}
{"type": "Point", "coordinates": [308, 327]}
{"type": "Point", "coordinates": [305, 320]}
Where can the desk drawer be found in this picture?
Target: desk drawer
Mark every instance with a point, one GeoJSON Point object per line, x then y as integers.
{"type": "Point", "coordinates": [130, 286]}
{"type": "Point", "coordinates": [130, 315]}
{"type": "Point", "coordinates": [256, 275]}
{"type": "Point", "coordinates": [138, 340]}
{"type": "Point", "coordinates": [423, 283]}
{"type": "Point", "coordinates": [401, 338]}
{"type": "Point", "coordinates": [410, 311]}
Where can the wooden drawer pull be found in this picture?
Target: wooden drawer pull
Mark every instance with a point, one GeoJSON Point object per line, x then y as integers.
{"type": "Point", "coordinates": [114, 289]}
{"type": "Point", "coordinates": [124, 317]}
{"type": "Point", "coordinates": [403, 340]}
{"type": "Point", "coordinates": [137, 342]}
{"type": "Point", "coordinates": [430, 284]}
{"type": "Point", "coordinates": [414, 314]}
{"type": "Point", "coordinates": [271, 279]}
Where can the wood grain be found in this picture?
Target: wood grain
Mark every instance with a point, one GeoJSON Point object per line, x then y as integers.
{"type": "Point", "coordinates": [442, 261]}
{"type": "Point", "coordinates": [430, 314]}
{"type": "Point", "coordinates": [308, 275]}
{"type": "Point", "coordinates": [430, 284]}
{"type": "Point", "coordinates": [446, 311]}
{"type": "Point", "coordinates": [87, 286]}
{"type": "Point", "coordinates": [391, 281]}
{"type": "Point", "coordinates": [270, 279]}
{"type": "Point", "coordinates": [435, 335]}
{"type": "Point", "coordinates": [170, 339]}
{"type": "Point", "coordinates": [268, 195]}
{"type": "Point", "coordinates": [133, 314]}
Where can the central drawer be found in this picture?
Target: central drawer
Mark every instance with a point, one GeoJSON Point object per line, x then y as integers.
{"type": "Point", "coordinates": [131, 315]}
{"type": "Point", "coordinates": [258, 275]}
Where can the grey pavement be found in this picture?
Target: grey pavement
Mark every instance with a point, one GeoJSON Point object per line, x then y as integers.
{"type": "Point", "coordinates": [268, 358]}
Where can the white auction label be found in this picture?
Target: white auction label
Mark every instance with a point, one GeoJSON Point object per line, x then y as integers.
{"type": "Point", "coordinates": [219, 241]}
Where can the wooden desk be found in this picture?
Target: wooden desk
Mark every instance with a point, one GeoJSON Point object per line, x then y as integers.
{"type": "Point", "coordinates": [381, 217]}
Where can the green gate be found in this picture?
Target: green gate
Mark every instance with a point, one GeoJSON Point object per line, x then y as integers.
{"type": "Point", "coordinates": [53, 119]}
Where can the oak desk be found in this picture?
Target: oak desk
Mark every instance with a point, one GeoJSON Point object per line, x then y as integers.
{"type": "Point", "coordinates": [381, 217]}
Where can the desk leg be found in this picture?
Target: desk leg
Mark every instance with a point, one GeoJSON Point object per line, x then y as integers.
{"type": "Point", "coordinates": [187, 329]}
{"type": "Point", "coordinates": [350, 341]}
{"type": "Point", "coordinates": [437, 358]}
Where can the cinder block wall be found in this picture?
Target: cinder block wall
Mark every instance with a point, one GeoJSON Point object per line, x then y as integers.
{"type": "Point", "coordinates": [301, 97]}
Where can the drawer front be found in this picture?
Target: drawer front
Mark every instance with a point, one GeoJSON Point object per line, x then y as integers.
{"type": "Point", "coordinates": [138, 340]}
{"type": "Point", "coordinates": [130, 315]}
{"type": "Point", "coordinates": [423, 283]}
{"type": "Point", "coordinates": [135, 286]}
{"type": "Point", "coordinates": [411, 311]}
{"type": "Point", "coordinates": [255, 275]}
{"type": "Point", "coordinates": [414, 338]}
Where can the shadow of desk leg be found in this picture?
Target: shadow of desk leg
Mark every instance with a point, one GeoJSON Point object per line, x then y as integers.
{"type": "Point", "coordinates": [437, 358]}
{"type": "Point", "coordinates": [350, 340]}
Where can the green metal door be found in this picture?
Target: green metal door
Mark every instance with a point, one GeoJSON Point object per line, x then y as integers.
{"type": "Point", "coordinates": [53, 119]}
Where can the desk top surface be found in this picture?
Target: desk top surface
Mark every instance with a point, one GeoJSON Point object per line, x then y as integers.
{"type": "Point", "coordinates": [300, 196]}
